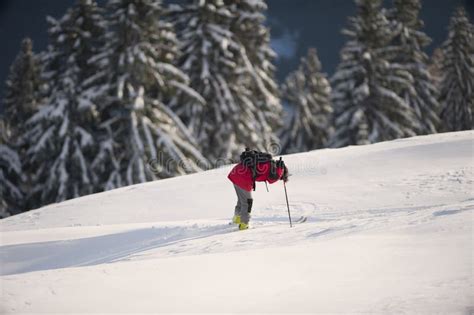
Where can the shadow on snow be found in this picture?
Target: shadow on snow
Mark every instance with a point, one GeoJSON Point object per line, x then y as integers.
{"type": "Point", "coordinates": [92, 251]}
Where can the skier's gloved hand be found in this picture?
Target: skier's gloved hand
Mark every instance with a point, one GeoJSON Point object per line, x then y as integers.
{"type": "Point", "coordinates": [280, 164]}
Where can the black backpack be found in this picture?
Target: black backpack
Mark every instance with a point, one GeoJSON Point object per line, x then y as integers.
{"type": "Point", "coordinates": [252, 158]}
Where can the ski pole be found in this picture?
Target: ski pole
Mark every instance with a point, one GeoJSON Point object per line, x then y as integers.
{"type": "Point", "coordinates": [287, 203]}
{"type": "Point", "coordinates": [266, 186]}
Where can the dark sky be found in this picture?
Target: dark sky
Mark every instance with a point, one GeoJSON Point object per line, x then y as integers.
{"type": "Point", "coordinates": [295, 25]}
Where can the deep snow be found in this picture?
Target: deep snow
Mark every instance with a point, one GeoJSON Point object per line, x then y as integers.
{"type": "Point", "coordinates": [390, 229]}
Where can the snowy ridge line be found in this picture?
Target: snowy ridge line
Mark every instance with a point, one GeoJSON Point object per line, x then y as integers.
{"type": "Point", "coordinates": [115, 247]}
{"type": "Point", "coordinates": [94, 250]}
{"type": "Point", "coordinates": [150, 244]}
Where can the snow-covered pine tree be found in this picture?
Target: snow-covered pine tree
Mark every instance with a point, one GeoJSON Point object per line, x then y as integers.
{"type": "Point", "coordinates": [434, 68]}
{"type": "Point", "coordinates": [308, 91]}
{"type": "Point", "coordinates": [11, 195]}
{"type": "Point", "coordinates": [367, 108]}
{"type": "Point", "coordinates": [22, 92]}
{"type": "Point", "coordinates": [61, 133]}
{"type": "Point", "coordinates": [457, 84]}
{"type": "Point", "coordinates": [215, 60]}
{"type": "Point", "coordinates": [143, 139]}
{"type": "Point", "coordinates": [250, 30]}
{"type": "Point", "coordinates": [422, 95]}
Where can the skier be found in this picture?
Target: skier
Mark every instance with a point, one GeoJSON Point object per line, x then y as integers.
{"type": "Point", "coordinates": [254, 167]}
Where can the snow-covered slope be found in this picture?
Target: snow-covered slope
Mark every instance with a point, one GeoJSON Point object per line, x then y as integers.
{"type": "Point", "coordinates": [390, 229]}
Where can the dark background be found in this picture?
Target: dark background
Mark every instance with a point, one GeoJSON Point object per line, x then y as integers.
{"type": "Point", "coordinates": [295, 26]}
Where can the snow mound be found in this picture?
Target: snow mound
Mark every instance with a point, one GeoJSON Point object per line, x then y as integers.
{"type": "Point", "coordinates": [389, 229]}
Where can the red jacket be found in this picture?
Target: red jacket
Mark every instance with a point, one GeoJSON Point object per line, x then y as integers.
{"type": "Point", "coordinates": [241, 175]}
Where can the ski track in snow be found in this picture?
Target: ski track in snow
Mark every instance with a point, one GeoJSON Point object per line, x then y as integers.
{"type": "Point", "coordinates": [164, 240]}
